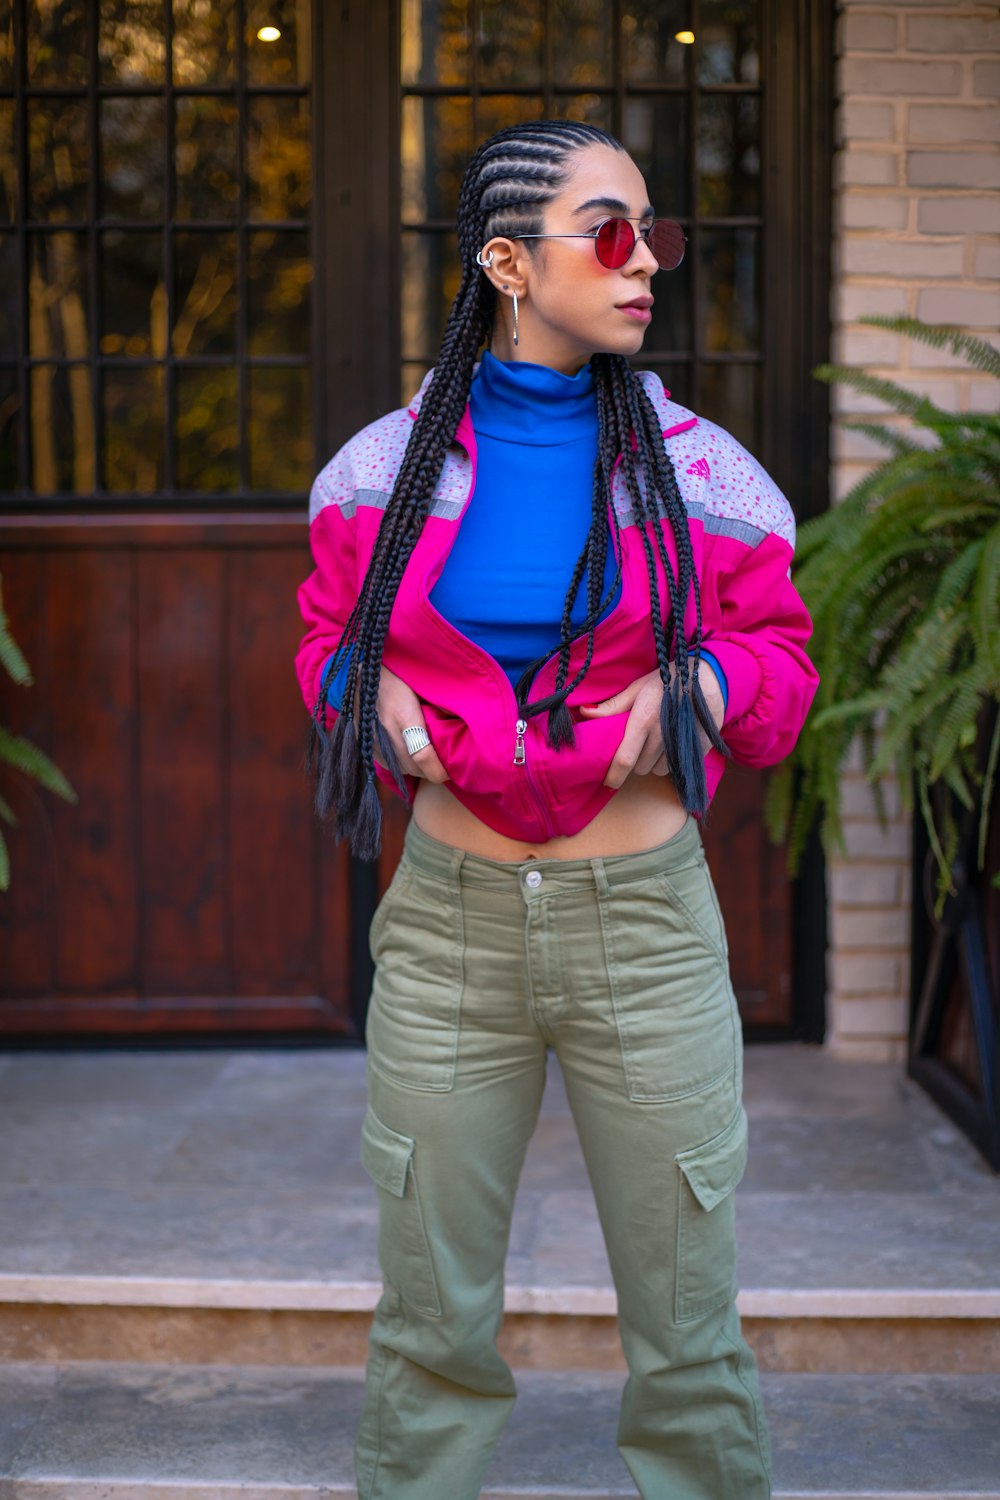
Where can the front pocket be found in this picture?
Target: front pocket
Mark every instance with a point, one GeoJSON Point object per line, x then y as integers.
{"type": "Point", "coordinates": [675, 1011]}
{"type": "Point", "coordinates": [706, 1220]}
{"type": "Point", "coordinates": [417, 942]}
{"type": "Point", "coordinates": [403, 1250]}
{"type": "Point", "coordinates": [693, 893]}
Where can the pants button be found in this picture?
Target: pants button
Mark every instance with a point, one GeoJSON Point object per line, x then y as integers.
{"type": "Point", "coordinates": [533, 879]}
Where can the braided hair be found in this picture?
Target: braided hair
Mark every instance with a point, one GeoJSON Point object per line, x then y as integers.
{"type": "Point", "coordinates": [508, 182]}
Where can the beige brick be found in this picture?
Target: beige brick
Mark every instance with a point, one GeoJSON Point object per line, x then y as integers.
{"type": "Point", "coordinates": [872, 211]}
{"type": "Point", "coordinates": [987, 262]}
{"type": "Point", "coordinates": [953, 169]}
{"type": "Point", "coordinates": [982, 395]}
{"type": "Point", "coordinates": [952, 33]}
{"type": "Point", "coordinates": [953, 122]}
{"type": "Point", "coordinates": [849, 301]}
{"type": "Point", "coordinates": [852, 884]}
{"type": "Point", "coordinates": [944, 393]}
{"type": "Point", "coordinates": [870, 929]}
{"type": "Point", "coordinates": [864, 973]}
{"type": "Point", "coordinates": [875, 1015]}
{"type": "Point", "coordinates": [962, 305]}
{"type": "Point", "coordinates": [857, 798]}
{"type": "Point", "coordinates": [880, 255]}
{"type": "Point", "coordinates": [881, 76]}
{"type": "Point", "coordinates": [867, 841]}
{"type": "Point", "coordinates": [843, 477]}
{"type": "Point", "coordinates": [865, 122]}
{"type": "Point", "coordinates": [986, 79]}
{"type": "Point", "coordinates": [858, 346]}
{"type": "Point", "coordinates": [925, 356]}
{"type": "Point", "coordinates": [864, 32]}
{"type": "Point", "coordinates": [866, 168]}
{"type": "Point", "coordinates": [959, 215]}
{"type": "Point", "coordinates": [846, 444]}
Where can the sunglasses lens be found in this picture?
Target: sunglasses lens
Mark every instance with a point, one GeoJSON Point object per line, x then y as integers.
{"type": "Point", "coordinates": [666, 240]}
{"type": "Point", "coordinates": [614, 243]}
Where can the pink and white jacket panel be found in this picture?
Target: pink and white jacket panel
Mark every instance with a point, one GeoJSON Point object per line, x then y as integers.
{"type": "Point", "coordinates": [742, 533]}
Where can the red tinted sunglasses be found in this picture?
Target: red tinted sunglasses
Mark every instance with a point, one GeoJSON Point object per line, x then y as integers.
{"type": "Point", "coordinates": [615, 239]}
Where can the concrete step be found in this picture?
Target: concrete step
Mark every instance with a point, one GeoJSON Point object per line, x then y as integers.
{"type": "Point", "coordinates": [142, 1431]}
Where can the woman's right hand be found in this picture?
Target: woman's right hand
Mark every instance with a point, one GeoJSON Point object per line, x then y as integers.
{"type": "Point", "coordinates": [399, 708]}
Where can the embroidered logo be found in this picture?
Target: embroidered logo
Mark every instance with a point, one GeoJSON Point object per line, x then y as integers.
{"type": "Point", "coordinates": [700, 467]}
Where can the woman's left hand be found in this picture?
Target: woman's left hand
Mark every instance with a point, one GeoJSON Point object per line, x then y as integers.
{"type": "Point", "coordinates": [641, 749]}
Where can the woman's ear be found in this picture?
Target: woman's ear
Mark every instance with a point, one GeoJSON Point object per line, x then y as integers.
{"type": "Point", "coordinates": [505, 270]}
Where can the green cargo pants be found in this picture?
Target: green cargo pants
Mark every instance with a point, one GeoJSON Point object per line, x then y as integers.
{"type": "Point", "coordinates": [621, 965]}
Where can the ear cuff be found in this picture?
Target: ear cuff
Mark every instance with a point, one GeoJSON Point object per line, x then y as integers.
{"type": "Point", "coordinates": [484, 263]}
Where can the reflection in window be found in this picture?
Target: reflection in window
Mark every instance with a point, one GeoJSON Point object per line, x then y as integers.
{"type": "Point", "coordinates": [170, 352]}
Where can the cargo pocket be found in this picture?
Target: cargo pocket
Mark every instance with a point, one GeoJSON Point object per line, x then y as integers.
{"type": "Point", "coordinates": [706, 1220]}
{"type": "Point", "coordinates": [403, 1250]}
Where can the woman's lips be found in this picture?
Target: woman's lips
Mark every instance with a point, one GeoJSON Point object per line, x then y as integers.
{"type": "Point", "coordinates": [640, 314]}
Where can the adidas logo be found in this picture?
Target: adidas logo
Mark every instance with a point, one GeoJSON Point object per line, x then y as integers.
{"type": "Point", "coordinates": [700, 467]}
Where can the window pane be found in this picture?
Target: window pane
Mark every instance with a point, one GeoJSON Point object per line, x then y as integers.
{"type": "Point", "coordinates": [131, 42]}
{"type": "Point", "coordinates": [208, 430]}
{"type": "Point", "coordinates": [730, 41]}
{"type": "Point", "coordinates": [728, 155]}
{"type": "Point", "coordinates": [10, 296]}
{"type": "Point", "coordinates": [205, 134]}
{"type": "Point", "coordinates": [280, 282]}
{"type": "Point", "coordinates": [510, 42]}
{"type": "Point", "coordinates": [648, 31]}
{"type": "Point", "coordinates": [730, 311]}
{"type": "Point", "coordinates": [281, 451]}
{"type": "Point", "coordinates": [436, 146]}
{"type": "Point", "coordinates": [132, 456]}
{"type": "Point", "coordinates": [431, 276]}
{"type": "Point", "coordinates": [205, 295]}
{"type": "Point", "coordinates": [435, 41]}
{"type": "Point", "coordinates": [10, 429]}
{"type": "Point", "coordinates": [278, 59]}
{"type": "Point", "coordinates": [204, 42]}
{"type": "Point", "coordinates": [57, 41]}
{"type": "Point", "coordinates": [595, 109]}
{"type": "Point", "coordinates": [655, 132]}
{"type": "Point", "coordinates": [6, 44]}
{"type": "Point", "coordinates": [505, 109]}
{"type": "Point", "coordinates": [730, 395]}
{"type": "Point", "coordinates": [278, 159]}
{"type": "Point", "coordinates": [62, 430]}
{"type": "Point", "coordinates": [133, 297]}
{"type": "Point", "coordinates": [131, 158]}
{"type": "Point", "coordinates": [57, 158]}
{"type": "Point", "coordinates": [672, 327]}
{"type": "Point", "coordinates": [583, 41]}
{"type": "Point", "coordinates": [8, 165]}
{"type": "Point", "coordinates": [57, 296]}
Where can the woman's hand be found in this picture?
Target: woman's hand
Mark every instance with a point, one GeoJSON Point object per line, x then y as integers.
{"type": "Point", "coordinates": [398, 708]}
{"type": "Point", "coordinates": [641, 749]}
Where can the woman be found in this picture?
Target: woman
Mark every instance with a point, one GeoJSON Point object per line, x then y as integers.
{"type": "Point", "coordinates": [556, 601]}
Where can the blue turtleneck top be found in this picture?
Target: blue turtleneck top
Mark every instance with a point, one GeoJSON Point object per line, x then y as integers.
{"type": "Point", "coordinates": [504, 581]}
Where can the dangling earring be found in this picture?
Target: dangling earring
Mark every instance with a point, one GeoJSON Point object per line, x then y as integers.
{"type": "Point", "coordinates": [515, 318]}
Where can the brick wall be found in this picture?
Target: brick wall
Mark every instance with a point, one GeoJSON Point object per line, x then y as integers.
{"type": "Point", "coordinates": [916, 230]}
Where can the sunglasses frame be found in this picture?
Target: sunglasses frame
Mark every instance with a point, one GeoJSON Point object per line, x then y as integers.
{"type": "Point", "coordinates": [592, 234]}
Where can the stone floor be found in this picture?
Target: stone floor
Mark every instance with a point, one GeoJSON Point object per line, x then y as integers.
{"type": "Point", "coordinates": [244, 1165]}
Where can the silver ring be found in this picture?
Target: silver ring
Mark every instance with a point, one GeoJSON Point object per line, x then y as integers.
{"type": "Point", "coordinates": [416, 739]}
{"type": "Point", "coordinates": [487, 262]}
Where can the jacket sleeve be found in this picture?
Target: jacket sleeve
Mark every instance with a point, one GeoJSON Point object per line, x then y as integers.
{"type": "Point", "coordinates": [328, 595]}
{"type": "Point", "coordinates": [754, 620]}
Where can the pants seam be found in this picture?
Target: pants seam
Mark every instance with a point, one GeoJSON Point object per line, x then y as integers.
{"type": "Point", "coordinates": [755, 1404]}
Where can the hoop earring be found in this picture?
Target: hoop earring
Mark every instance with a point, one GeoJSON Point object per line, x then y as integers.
{"type": "Point", "coordinates": [515, 318]}
{"type": "Point", "coordinates": [484, 263]}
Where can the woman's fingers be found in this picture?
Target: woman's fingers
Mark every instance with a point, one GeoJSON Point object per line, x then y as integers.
{"type": "Point", "coordinates": [425, 763]}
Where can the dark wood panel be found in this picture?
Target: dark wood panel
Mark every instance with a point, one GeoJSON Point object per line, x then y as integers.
{"type": "Point", "coordinates": [181, 731]}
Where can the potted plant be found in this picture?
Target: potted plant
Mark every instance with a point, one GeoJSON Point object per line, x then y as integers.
{"type": "Point", "coordinates": [902, 579]}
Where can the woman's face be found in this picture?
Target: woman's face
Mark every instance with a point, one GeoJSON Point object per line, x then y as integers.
{"type": "Point", "coordinates": [569, 305]}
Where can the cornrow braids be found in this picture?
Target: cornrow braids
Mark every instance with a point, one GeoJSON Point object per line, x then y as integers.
{"type": "Point", "coordinates": [507, 184]}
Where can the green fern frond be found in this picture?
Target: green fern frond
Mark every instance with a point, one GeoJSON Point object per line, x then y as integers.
{"type": "Point", "coordinates": [20, 753]}
{"type": "Point", "coordinates": [977, 352]}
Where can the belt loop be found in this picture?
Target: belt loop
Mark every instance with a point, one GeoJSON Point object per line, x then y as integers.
{"type": "Point", "coordinates": [600, 877]}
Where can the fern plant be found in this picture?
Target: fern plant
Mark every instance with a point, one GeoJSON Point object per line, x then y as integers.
{"type": "Point", "coordinates": [18, 752]}
{"type": "Point", "coordinates": [902, 580]}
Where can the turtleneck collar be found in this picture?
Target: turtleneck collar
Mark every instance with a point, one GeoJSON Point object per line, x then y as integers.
{"type": "Point", "coordinates": [520, 402]}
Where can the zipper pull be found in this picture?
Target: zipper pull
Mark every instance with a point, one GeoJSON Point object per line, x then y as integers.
{"type": "Point", "coordinates": [519, 727]}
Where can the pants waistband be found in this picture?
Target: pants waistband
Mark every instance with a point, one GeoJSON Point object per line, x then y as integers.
{"type": "Point", "coordinates": [459, 868]}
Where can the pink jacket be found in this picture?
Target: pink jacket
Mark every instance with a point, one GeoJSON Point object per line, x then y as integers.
{"type": "Point", "coordinates": [753, 620]}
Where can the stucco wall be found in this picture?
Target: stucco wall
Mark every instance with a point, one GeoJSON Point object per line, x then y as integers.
{"type": "Point", "coordinates": [917, 230]}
